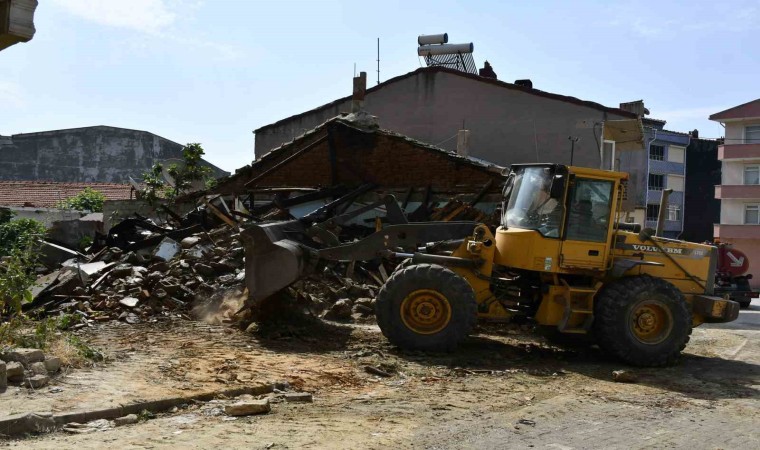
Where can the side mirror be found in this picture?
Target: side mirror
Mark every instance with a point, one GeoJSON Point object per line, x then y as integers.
{"type": "Point", "coordinates": [557, 189]}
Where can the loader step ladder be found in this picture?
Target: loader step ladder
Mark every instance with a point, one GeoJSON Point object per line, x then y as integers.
{"type": "Point", "coordinates": [579, 303]}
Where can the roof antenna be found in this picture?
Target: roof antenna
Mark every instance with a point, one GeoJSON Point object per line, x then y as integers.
{"type": "Point", "coordinates": [378, 60]}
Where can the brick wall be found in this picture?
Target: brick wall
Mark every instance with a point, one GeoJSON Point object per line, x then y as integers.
{"type": "Point", "coordinates": [361, 157]}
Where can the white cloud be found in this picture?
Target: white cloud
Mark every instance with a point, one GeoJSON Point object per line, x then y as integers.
{"type": "Point", "coordinates": [11, 94]}
{"type": "Point", "coordinates": [153, 18]}
{"type": "Point", "coordinates": [147, 16]}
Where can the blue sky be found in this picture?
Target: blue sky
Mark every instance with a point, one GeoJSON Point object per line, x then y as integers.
{"type": "Point", "coordinates": [212, 71]}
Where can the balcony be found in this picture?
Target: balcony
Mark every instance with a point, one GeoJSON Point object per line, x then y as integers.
{"type": "Point", "coordinates": [739, 152]}
{"type": "Point", "coordinates": [741, 191]}
{"type": "Point", "coordinates": [723, 231]}
{"type": "Point", "coordinates": [16, 21]}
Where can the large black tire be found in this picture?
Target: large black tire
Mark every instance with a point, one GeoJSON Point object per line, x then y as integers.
{"type": "Point", "coordinates": [445, 312]}
{"type": "Point", "coordinates": [402, 265]}
{"type": "Point", "coordinates": [745, 304]}
{"type": "Point", "coordinates": [624, 312]}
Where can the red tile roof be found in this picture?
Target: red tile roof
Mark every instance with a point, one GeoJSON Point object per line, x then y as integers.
{"type": "Point", "coordinates": [749, 109]}
{"type": "Point", "coordinates": [47, 194]}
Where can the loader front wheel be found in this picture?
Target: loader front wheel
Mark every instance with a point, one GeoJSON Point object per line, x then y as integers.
{"type": "Point", "coordinates": [426, 307]}
{"type": "Point", "coordinates": [642, 320]}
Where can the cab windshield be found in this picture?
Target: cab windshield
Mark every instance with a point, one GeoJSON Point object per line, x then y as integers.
{"type": "Point", "coordinates": [530, 205]}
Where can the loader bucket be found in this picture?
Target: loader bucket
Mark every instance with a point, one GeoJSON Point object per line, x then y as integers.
{"type": "Point", "coordinates": [273, 258]}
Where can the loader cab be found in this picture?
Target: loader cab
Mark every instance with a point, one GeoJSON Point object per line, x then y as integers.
{"type": "Point", "coordinates": [557, 218]}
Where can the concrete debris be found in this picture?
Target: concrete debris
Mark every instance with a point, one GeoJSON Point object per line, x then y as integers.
{"type": "Point", "coordinates": [146, 270]}
{"type": "Point", "coordinates": [37, 381]}
{"type": "Point", "coordinates": [126, 420]}
{"type": "Point", "coordinates": [624, 376]}
{"type": "Point", "coordinates": [38, 368]}
{"type": "Point", "coordinates": [24, 356]}
{"type": "Point", "coordinates": [167, 249]}
{"type": "Point", "coordinates": [129, 302]}
{"type": "Point", "coordinates": [248, 407]}
{"type": "Point", "coordinates": [89, 427]}
{"type": "Point", "coordinates": [14, 371]}
{"type": "Point", "coordinates": [52, 364]}
{"type": "Point", "coordinates": [299, 397]}
{"type": "Point", "coordinates": [190, 241]}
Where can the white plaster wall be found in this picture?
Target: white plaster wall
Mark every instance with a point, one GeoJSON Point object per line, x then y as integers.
{"type": "Point", "coordinates": [45, 215]}
{"type": "Point", "coordinates": [732, 211]}
{"type": "Point", "coordinates": [735, 130]}
{"type": "Point", "coordinates": [732, 173]}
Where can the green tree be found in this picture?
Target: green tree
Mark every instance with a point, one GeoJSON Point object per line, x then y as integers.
{"type": "Point", "coordinates": [185, 174]}
{"type": "Point", "coordinates": [87, 200]}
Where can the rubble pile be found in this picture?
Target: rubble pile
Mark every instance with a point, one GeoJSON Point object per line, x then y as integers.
{"type": "Point", "coordinates": [27, 366]}
{"type": "Point", "coordinates": [136, 285]}
{"type": "Point", "coordinates": [144, 269]}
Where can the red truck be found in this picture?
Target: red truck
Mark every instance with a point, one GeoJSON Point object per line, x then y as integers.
{"type": "Point", "coordinates": [731, 276]}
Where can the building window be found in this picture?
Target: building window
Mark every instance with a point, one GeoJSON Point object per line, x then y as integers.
{"type": "Point", "coordinates": [656, 182]}
{"type": "Point", "coordinates": [657, 152]}
{"type": "Point", "coordinates": [752, 214]}
{"type": "Point", "coordinates": [674, 212]}
{"type": "Point", "coordinates": [675, 182]}
{"type": "Point", "coordinates": [751, 174]}
{"type": "Point", "coordinates": [752, 134]}
{"type": "Point", "coordinates": [676, 154]}
{"type": "Point", "coordinates": [653, 212]}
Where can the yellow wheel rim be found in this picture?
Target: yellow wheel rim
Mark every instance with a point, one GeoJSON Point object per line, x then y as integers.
{"type": "Point", "coordinates": [426, 311]}
{"type": "Point", "coordinates": [651, 322]}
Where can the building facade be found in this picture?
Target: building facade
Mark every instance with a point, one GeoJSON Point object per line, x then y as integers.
{"type": "Point", "coordinates": [508, 123]}
{"type": "Point", "coordinates": [86, 155]}
{"type": "Point", "coordinates": [739, 191]}
{"type": "Point", "coordinates": [664, 167]}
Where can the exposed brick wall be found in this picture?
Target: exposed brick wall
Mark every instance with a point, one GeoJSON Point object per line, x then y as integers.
{"type": "Point", "coordinates": [387, 160]}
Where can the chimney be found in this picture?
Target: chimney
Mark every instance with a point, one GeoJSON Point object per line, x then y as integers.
{"type": "Point", "coordinates": [636, 107]}
{"type": "Point", "coordinates": [695, 134]}
{"type": "Point", "coordinates": [487, 71]}
{"type": "Point", "coordinates": [360, 88]}
{"type": "Point", "coordinates": [463, 142]}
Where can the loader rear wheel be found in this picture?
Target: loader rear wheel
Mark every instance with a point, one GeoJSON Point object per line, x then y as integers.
{"type": "Point", "coordinates": [426, 307]}
{"type": "Point", "coordinates": [642, 320]}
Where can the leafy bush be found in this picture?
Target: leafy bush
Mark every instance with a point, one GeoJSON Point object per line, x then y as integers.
{"type": "Point", "coordinates": [87, 200]}
{"type": "Point", "coordinates": [18, 248]}
{"type": "Point", "coordinates": [19, 234]}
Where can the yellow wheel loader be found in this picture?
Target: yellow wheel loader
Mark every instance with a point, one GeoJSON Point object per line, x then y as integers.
{"type": "Point", "coordinates": [561, 257]}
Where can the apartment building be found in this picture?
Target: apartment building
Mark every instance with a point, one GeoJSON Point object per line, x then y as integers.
{"type": "Point", "coordinates": [664, 168]}
{"type": "Point", "coordinates": [739, 191]}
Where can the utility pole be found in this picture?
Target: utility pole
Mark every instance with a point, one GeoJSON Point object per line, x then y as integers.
{"type": "Point", "coordinates": [378, 60]}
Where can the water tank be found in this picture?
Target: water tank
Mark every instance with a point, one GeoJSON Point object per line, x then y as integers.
{"type": "Point", "coordinates": [445, 49]}
{"type": "Point", "coordinates": [431, 39]}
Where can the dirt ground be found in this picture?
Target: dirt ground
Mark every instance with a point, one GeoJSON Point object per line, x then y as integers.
{"type": "Point", "coordinates": [499, 390]}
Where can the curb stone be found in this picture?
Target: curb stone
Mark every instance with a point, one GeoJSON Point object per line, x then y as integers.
{"type": "Point", "coordinates": [45, 422]}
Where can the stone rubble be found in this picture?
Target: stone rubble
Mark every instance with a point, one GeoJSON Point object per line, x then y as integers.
{"type": "Point", "coordinates": [27, 366]}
